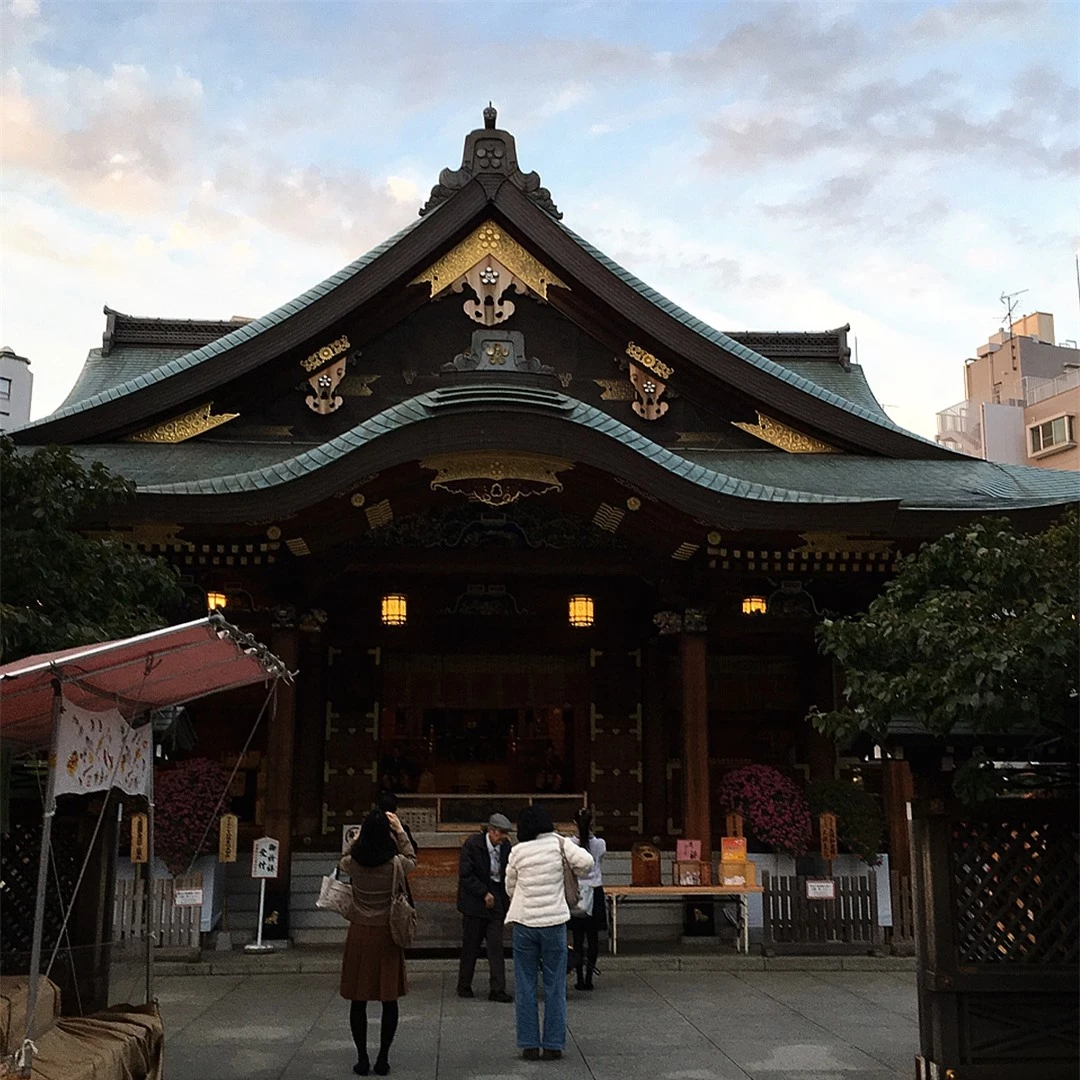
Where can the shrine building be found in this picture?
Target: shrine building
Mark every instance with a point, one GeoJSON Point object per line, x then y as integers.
{"type": "Point", "coordinates": [524, 526]}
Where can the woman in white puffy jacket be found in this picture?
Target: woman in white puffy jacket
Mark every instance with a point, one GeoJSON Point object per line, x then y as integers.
{"type": "Point", "coordinates": [539, 914]}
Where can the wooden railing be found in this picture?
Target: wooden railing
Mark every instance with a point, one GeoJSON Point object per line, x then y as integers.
{"type": "Point", "coordinates": [794, 924]}
{"type": "Point", "coordinates": [171, 926]}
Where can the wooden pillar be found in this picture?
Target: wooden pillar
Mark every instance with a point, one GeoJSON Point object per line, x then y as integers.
{"type": "Point", "coordinates": [281, 733]}
{"type": "Point", "coordinates": [654, 745]}
{"type": "Point", "coordinates": [696, 818]}
{"type": "Point", "coordinates": [896, 793]}
{"type": "Point", "coordinates": [310, 742]}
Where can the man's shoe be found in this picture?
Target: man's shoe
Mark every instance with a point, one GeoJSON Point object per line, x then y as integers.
{"type": "Point", "coordinates": [551, 1055]}
{"type": "Point", "coordinates": [501, 996]}
{"type": "Point", "coordinates": [465, 992]}
{"type": "Point", "coordinates": [532, 1053]}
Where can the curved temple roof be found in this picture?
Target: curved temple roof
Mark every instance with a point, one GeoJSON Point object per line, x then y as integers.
{"type": "Point", "coordinates": [221, 469]}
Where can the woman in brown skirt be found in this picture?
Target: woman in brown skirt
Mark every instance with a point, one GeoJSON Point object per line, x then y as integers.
{"type": "Point", "coordinates": [373, 967]}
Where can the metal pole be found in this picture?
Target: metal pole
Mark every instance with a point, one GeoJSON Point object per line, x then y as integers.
{"type": "Point", "coordinates": [150, 879]}
{"type": "Point", "coordinates": [42, 882]}
{"type": "Point", "coordinates": [262, 909]}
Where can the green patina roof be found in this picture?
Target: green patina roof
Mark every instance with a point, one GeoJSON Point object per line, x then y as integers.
{"type": "Point", "coordinates": [123, 363]}
{"type": "Point", "coordinates": [204, 467]}
{"type": "Point", "coordinates": [184, 361]}
{"type": "Point", "coordinates": [873, 413]}
{"type": "Point", "coordinates": [128, 368]}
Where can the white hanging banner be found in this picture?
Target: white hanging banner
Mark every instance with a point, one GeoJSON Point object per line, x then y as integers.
{"type": "Point", "coordinates": [99, 750]}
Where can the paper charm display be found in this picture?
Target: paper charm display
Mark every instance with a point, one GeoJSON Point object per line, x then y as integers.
{"type": "Point", "coordinates": [99, 750]}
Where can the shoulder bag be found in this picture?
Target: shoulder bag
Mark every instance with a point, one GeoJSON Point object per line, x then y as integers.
{"type": "Point", "coordinates": [570, 882]}
{"type": "Point", "coordinates": [336, 895]}
{"type": "Point", "coordinates": [402, 910]}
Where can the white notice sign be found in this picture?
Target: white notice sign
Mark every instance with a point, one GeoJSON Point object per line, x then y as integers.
{"type": "Point", "coordinates": [821, 890]}
{"type": "Point", "coordinates": [264, 858]}
{"type": "Point", "coordinates": [188, 898]}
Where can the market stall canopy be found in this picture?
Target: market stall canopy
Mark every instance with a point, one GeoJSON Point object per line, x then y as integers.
{"type": "Point", "coordinates": [134, 675]}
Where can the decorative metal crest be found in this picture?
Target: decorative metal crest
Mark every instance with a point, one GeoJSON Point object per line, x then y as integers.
{"type": "Point", "coordinates": [325, 354]}
{"type": "Point", "coordinates": [648, 388]}
{"type": "Point", "coordinates": [646, 359]}
{"type": "Point", "coordinates": [490, 262]}
{"type": "Point", "coordinates": [185, 426]}
{"type": "Point", "coordinates": [784, 437]}
{"type": "Point", "coordinates": [324, 400]}
{"type": "Point", "coordinates": [496, 479]}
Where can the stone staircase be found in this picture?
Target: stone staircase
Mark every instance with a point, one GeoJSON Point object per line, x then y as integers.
{"type": "Point", "coordinates": [435, 888]}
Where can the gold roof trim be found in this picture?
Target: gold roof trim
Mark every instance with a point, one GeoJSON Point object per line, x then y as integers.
{"type": "Point", "coordinates": [183, 427]}
{"type": "Point", "coordinates": [486, 240]}
{"type": "Point", "coordinates": [794, 442]}
{"type": "Point", "coordinates": [487, 465]}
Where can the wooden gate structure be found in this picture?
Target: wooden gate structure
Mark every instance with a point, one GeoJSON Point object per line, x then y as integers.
{"type": "Point", "coordinates": [997, 913]}
{"type": "Point", "coordinates": [173, 927]}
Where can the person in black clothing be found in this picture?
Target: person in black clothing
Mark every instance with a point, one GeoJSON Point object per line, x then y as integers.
{"type": "Point", "coordinates": [482, 902]}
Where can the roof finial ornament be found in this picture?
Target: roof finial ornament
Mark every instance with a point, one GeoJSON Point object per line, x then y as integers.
{"type": "Point", "coordinates": [491, 157]}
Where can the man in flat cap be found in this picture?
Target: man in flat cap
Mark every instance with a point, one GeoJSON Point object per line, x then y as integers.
{"type": "Point", "coordinates": [482, 902]}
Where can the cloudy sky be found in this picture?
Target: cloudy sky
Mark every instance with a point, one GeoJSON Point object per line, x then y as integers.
{"type": "Point", "coordinates": [768, 166]}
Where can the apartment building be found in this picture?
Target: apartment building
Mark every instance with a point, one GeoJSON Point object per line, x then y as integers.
{"type": "Point", "coordinates": [1023, 397]}
{"type": "Point", "coordinates": [16, 389]}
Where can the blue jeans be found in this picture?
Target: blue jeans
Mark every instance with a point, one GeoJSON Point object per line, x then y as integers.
{"type": "Point", "coordinates": [535, 946]}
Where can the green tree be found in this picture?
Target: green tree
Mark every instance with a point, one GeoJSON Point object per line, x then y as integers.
{"type": "Point", "coordinates": [58, 587]}
{"type": "Point", "coordinates": [978, 634]}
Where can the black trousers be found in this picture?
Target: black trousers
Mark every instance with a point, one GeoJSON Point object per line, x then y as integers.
{"type": "Point", "coordinates": [473, 933]}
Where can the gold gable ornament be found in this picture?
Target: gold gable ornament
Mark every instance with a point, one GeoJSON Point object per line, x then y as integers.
{"type": "Point", "coordinates": [490, 262]}
{"type": "Point", "coordinates": [785, 438]}
{"type": "Point", "coordinates": [183, 427]}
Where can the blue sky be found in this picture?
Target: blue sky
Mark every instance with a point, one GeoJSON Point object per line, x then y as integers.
{"type": "Point", "coordinates": [767, 165]}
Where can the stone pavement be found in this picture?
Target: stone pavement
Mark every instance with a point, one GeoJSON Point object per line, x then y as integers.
{"type": "Point", "coordinates": [643, 1023]}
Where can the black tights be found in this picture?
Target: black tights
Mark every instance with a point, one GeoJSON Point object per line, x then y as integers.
{"type": "Point", "coordinates": [585, 929]}
{"type": "Point", "coordinates": [358, 1023]}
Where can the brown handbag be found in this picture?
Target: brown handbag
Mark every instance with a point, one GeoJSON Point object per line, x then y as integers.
{"type": "Point", "coordinates": [403, 916]}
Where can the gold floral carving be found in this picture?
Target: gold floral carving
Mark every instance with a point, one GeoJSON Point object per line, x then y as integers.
{"type": "Point", "coordinates": [615, 390]}
{"type": "Point", "coordinates": [183, 427]}
{"type": "Point", "coordinates": [325, 354]}
{"type": "Point", "coordinates": [496, 479]}
{"type": "Point", "coordinates": [646, 359]}
{"type": "Point", "coordinates": [786, 438]}
{"type": "Point", "coordinates": [488, 239]}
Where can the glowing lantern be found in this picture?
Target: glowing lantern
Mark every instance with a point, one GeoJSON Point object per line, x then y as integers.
{"type": "Point", "coordinates": [582, 611]}
{"type": "Point", "coordinates": [754, 605]}
{"type": "Point", "coordinates": [215, 600]}
{"type": "Point", "coordinates": [395, 610]}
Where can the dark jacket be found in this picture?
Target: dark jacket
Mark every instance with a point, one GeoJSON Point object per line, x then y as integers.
{"type": "Point", "coordinates": [474, 878]}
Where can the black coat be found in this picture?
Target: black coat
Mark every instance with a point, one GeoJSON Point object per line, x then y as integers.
{"type": "Point", "coordinates": [474, 878]}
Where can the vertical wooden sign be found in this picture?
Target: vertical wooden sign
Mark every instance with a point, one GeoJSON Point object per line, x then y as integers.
{"type": "Point", "coordinates": [139, 838]}
{"type": "Point", "coordinates": [733, 825]}
{"type": "Point", "coordinates": [227, 838]}
{"type": "Point", "coordinates": [827, 829]}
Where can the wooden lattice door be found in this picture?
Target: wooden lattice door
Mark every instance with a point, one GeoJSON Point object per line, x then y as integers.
{"type": "Point", "coordinates": [615, 773]}
{"type": "Point", "coordinates": [351, 764]}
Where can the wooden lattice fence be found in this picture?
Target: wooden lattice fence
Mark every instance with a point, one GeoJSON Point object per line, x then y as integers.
{"type": "Point", "coordinates": [795, 924]}
{"type": "Point", "coordinates": [997, 900]}
{"type": "Point", "coordinates": [173, 927]}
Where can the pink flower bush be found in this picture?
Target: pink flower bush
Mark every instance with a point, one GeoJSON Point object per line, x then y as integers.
{"type": "Point", "coordinates": [774, 809]}
{"type": "Point", "coordinates": [184, 802]}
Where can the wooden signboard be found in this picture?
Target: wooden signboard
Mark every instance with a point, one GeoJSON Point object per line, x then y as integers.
{"type": "Point", "coordinates": [139, 838]}
{"type": "Point", "coordinates": [227, 838]}
{"type": "Point", "coordinates": [264, 858]}
{"type": "Point", "coordinates": [733, 825]}
{"type": "Point", "coordinates": [827, 829]}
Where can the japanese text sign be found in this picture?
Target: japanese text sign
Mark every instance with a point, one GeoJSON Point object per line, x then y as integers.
{"type": "Point", "coordinates": [264, 858]}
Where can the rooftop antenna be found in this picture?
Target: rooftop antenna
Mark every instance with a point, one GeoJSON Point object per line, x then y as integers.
{"type": "Point", "coordinates": [1010, 302]}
